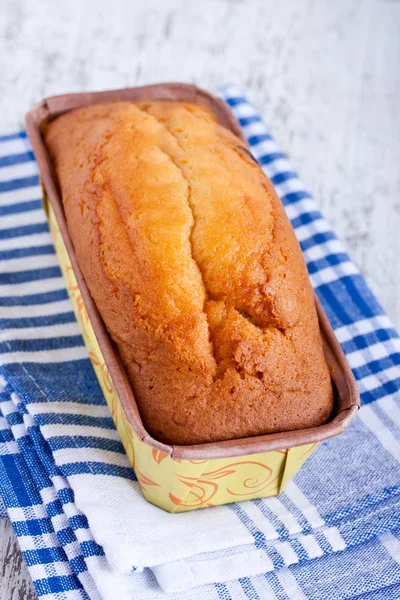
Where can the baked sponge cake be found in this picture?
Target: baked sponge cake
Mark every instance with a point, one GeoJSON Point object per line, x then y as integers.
{"type": "Point", "coordinates": [195, 270]}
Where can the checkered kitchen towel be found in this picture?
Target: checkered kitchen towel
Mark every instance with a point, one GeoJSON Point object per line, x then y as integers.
{"type": "Point", "coordinates": [83, 526]}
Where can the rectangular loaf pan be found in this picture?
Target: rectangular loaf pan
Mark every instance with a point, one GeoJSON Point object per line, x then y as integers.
{"type": "Point", "coordinates": [189, 468]}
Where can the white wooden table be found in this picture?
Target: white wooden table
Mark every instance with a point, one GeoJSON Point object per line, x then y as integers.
{"type": "Point", "coordinates": [325, 74]}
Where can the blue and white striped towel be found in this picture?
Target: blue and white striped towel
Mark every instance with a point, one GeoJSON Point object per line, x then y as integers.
{"type": "Point", "coordinates": [81, 521]}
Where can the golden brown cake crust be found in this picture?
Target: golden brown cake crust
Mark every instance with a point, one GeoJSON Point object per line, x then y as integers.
{"type": "Point", "coordinates": [195, 269]}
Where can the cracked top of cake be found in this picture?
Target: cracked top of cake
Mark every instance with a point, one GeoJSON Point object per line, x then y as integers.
{"type": "Point", "coordinates": [195, 270]}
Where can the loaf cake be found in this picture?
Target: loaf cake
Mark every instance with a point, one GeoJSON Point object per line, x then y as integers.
{"type": "Point", "coordinates": [195, 270]}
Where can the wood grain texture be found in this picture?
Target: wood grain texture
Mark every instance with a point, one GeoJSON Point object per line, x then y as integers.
{"type": "Point", "coordinates": [15, 581]}
{"type": "Point", "coordinates": [324, 74]}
